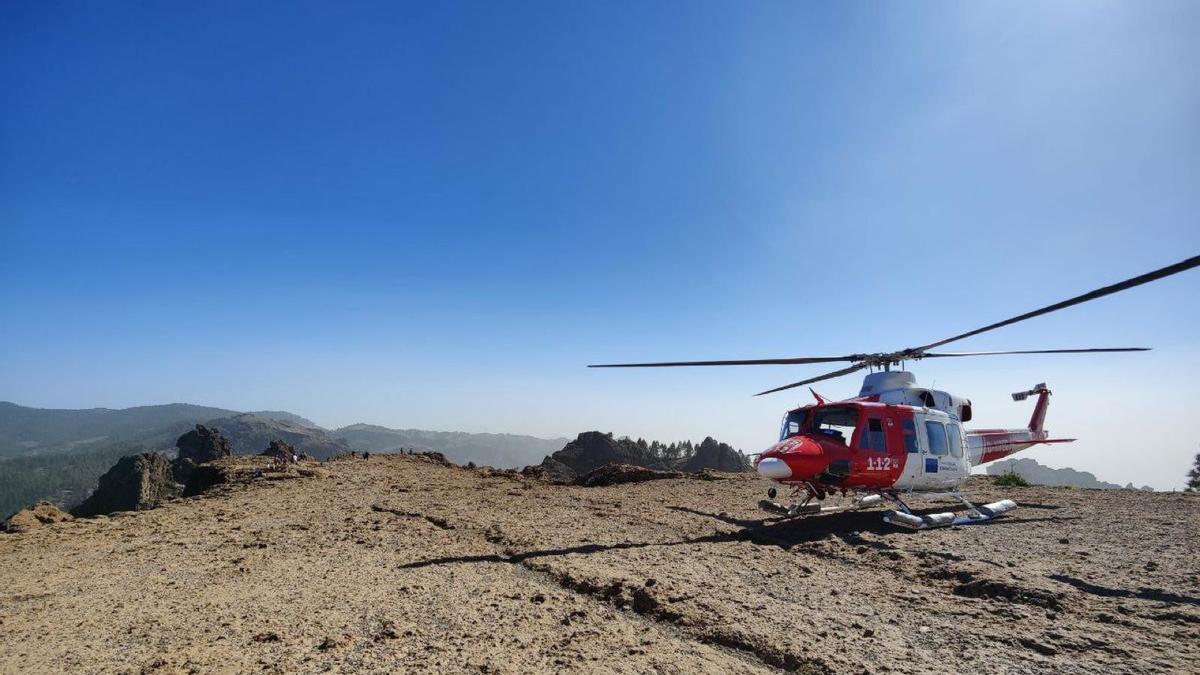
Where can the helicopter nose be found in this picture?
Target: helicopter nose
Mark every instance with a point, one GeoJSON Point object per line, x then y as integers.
{"type": "Point", "coordinates": [774, 468]}
{"type": "Point", "coordinates": [797, 458]}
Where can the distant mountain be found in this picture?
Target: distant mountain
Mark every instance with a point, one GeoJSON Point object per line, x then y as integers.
{"type": "Point", "coordinates": [284, 416]}
{"type": "Point", "coordinates": [59, 454]}
{"type": "Point", "coordinates": [507, 451]}
{"type": "Point", "coordinates": [26, 431]}
{"type": "Point", "coordinates": [250, 434]}
{"type": "Point", "coordinates": [1039, 474]}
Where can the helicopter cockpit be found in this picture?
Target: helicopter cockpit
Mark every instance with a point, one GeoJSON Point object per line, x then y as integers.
{"type": "Point", "coordinates": [836, 423]}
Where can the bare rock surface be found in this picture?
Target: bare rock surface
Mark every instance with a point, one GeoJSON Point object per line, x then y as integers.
{"type": "Point", "coordinates": [134, 483]}
{"type": "Point", "coordinates": [203, 444]}
{"type": "Point", "coordinates": [280, 451]}
{"type": "Point", "coordinates": [42, 513]}
{"type": "Point", "coordinates": [403, 564]}
{"type": "Point", "coordinates": [615, 474]}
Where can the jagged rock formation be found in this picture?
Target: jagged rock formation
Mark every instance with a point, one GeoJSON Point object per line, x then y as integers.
{"type": "Point", "coordinates": [592, 450]}
{"type": "Point", "coordinates": [42, 513]}
{"type": "Point", "coordinates": [553, 470]}
{"type": "Point", "coordinates": [711, 454]}
{"type": "Point", "coordinates": [134, 483]}
{"type": "Point", "coordinates": [280, 450]}
{"type": "Point", "coordinates": [203, 444]}
{"type": "Point", "coordinates": [196, 447]}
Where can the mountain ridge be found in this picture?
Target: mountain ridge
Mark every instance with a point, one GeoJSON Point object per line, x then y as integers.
{"type": "Point", "coordinates": [59, 453]}
{"type": "Point", "coordinates": [1037, 473]}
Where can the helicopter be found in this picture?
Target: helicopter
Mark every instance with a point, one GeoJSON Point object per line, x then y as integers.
{"type": "Point", "coordinates": [897, 440]}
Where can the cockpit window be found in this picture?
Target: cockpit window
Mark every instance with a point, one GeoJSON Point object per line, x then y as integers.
{"type": "Point", "coordinates": [793, 423]}
{"type": "Point", "coordinates": [836, 423]}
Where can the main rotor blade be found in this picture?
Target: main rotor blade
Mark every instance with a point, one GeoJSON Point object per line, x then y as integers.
{"type": "Point", "coordinates": [737, 362]}
{"type": "Point", "coordinates": [826, 376]}
{"type": "Point", "coordinates": [1098, 293]}
{"type": "Point", "coordinates": [935, 355]}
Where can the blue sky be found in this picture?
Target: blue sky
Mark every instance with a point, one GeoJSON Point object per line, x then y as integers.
{"type": "Point", "coordinates": [433, 215]}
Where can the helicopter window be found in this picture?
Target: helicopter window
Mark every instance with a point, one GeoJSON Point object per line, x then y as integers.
{"type": "Point", "coordinates": [936, 432]}
{"type": "Point", "coordinates": [872, 438]}
{"type": "Point", "coordinates": [910, 435]}
{"type": "Point", "coordinates": [837, 423]}
{"type": "Point", "coordinates": [793, 423]}
{"type": "Point", "coordinates": [955, 440]}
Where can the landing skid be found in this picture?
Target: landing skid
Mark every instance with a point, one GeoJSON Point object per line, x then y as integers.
{"type": "Point", "coordinates": [806, 508]}
{"type": "Point", "coordinates": [904, 517]}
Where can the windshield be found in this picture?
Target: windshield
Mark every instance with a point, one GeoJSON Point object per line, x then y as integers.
{"type": "Point", "coordinates": [793, 423]}
{"type": "Point", "coordinates": [837, 423]}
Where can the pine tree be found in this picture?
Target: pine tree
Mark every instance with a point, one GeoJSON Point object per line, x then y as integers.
{"type": "Point", "coordinates": [1193, 484]}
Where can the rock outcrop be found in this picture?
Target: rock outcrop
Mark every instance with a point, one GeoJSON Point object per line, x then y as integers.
{"type": "Point", "coordinates": [592, 450]}
{"type": "Point", "coordinates": [203, 445]}
{"type": "Point", "coordinates": [280, 451]}
{"type": "Point", "coordinates": [134, 483]}
{"type": "Point", "coordinates": [552, 470]}
{"type": "Point", "coordinates": [615, 474]}
{"type": "Point", "coordinates": [42, 513]}
{"type": "Point", "coordinates": [196, 447]}
{"type": "Point", "coordinates": [711, 454]}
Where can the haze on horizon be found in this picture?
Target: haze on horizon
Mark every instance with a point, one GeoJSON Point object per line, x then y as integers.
{"type": "Point", "coordinates": [435, 216]}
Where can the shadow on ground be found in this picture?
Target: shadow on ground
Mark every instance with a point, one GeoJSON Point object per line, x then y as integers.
{"type": "Point", "coordinates": [784, 533]}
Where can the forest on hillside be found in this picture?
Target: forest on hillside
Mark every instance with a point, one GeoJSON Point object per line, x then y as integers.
{"type": "Point", "coordinates": [65, 478]}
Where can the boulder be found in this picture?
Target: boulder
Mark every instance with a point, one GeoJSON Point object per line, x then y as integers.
{"type": "Point", "coordinates": [134, 483]}
{"type": "Point", "coordinates": [535, 471]}
{"type": "Point", "coordinates": [280, 451]}
{"type": "Point", "coordinates": [434, 457]}
{"type": "Point", "coordinates": [196, 447]}
{"type": "Point", "coordinates": [204, 477]}
{"type": "Point", "coordinates": [552, 470]}
{"type": "Point", "coordinates": [203, 445]}
{"type": "Point", "coordinates": [42, 513]}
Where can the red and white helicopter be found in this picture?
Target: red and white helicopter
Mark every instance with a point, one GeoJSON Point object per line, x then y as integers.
{"type": "Point", "coordinates": [897, 439]}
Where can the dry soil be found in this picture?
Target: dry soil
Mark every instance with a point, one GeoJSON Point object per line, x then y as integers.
{"type": "Point", "coordinates": [401, 564]}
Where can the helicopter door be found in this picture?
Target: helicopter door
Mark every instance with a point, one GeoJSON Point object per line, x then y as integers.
{"type": "Point", "coordinates": [939, 467]}
{"type": "Point", "coordinates": [913, 474]}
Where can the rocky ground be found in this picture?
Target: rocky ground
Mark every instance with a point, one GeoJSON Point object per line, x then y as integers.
{"type": "Point", "coordinates": [399, 563]}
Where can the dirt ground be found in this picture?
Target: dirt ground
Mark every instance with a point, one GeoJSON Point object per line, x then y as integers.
{"type": "Point", "coordinates": [400, 564]}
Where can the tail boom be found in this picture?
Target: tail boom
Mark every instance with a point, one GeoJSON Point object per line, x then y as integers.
{"type": "Point", "coordinates": [988, 445]}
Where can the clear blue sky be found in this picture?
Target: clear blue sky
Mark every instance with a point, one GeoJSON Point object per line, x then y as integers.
{"type": "Point", "coordinates": [433, 215]}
